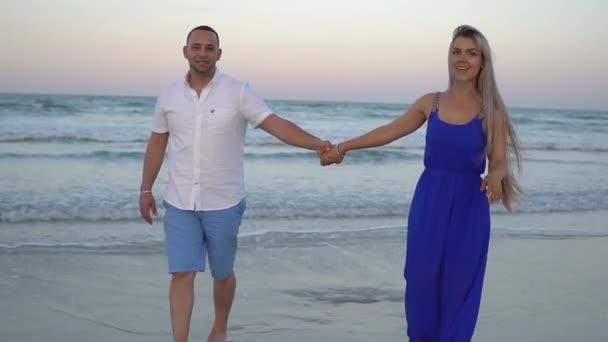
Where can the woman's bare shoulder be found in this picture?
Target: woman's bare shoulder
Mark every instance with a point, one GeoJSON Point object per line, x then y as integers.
{"type": "Point", "coordinates": [425, 103]}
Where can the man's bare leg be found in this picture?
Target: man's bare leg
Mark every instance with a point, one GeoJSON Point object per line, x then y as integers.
{"type": "Point", "coordinates": [223, 295]}
{"type": "Point", "coordinates": [181, 300]}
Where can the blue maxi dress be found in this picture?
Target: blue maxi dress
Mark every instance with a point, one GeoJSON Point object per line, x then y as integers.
{"type": "Point", "coordinates": [448, 234]}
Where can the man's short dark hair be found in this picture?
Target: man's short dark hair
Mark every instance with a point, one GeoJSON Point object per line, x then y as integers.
{"type": "Point", "coordinates": [204, 28]}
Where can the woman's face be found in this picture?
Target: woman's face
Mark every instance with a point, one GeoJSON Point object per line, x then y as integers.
{"type": "Point", "coordinates": [465, 59]}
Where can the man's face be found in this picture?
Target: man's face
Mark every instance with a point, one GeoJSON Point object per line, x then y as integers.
{"type": "Point", "coordinates": [202, 51]}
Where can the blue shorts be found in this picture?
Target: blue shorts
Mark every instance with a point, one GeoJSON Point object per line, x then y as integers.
{"type": "Point", "coordinates": [191, 235]}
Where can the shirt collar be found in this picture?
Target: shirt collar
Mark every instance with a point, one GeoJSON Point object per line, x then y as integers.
{"type": "Point", "coordinates": [216, 77]}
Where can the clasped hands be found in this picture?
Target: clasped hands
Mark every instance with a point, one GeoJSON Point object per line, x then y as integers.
{"type": "Point", "coordinates": [330, 154]}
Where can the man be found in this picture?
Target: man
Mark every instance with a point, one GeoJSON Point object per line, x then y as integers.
{"type": "Point", "coordinates": [202, 118]}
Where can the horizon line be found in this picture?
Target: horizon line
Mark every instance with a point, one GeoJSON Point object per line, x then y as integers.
{"type": "Point", "coordinates": [295, 100]}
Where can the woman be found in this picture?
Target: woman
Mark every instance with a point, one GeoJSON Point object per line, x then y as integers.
{"type": "Point", "coordinates": [449, 220]}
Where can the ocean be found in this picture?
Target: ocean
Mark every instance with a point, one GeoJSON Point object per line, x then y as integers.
{"type": "Point", "coordinates": [71, 166]}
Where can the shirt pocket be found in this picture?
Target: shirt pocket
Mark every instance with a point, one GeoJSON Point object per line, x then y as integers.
{"type": "Point", "coordinates": [222, 119]}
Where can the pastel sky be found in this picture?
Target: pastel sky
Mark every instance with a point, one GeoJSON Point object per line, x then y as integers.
{"type": "Point", "coordinates": [548, 53]}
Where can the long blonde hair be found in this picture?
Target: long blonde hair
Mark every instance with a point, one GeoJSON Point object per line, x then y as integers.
{"type": "Point", "coordinates": [492, 103]}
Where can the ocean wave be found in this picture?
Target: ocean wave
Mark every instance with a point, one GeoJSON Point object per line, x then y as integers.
{"type": "Point", "coordinates": [266, 232]}
{"type": "Point", "coordinates": [33, 214]}
{"type": "Point", "coordinates": [354, 157]}
{"type": "Point", "coordinates": [74, 104]}
{"type": "Point", "coordinates": [545, 234]}
{"type": "Point", "coordinates": [38, 106]}
{"type": "Point", "coordinates": [273, 235]}
{"type": "Point", "coordinates": [285, 238]}
{"type": "Point", "coordinates": [36, 213]}
{"type": "Point", "coordinates": [396, 151]}
{"type": "Point", "coordinates": [565, 162]}
{"type": "Point", "coordinates": [68, 139]}
{"type": "Point", "coordinates": [84, 245]}
{"type": "Point", "coordinates": [558, 148]}
{"type": "Point", "coordinates": [104, 155]}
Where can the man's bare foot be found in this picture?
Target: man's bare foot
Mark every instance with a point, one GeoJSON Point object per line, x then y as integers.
{"type": "Point", "coordinates": [217, 335]}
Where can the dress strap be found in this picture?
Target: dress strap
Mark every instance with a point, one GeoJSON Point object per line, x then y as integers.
{"type": "Point", "coordinates": [436, 102]}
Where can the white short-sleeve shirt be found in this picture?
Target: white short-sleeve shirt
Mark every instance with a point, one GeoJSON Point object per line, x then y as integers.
{"type": "Point", "coordinates": [206, 140]}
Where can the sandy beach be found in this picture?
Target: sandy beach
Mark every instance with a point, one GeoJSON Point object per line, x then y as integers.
{"type": "Point", "coordinates": [323, 289]}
